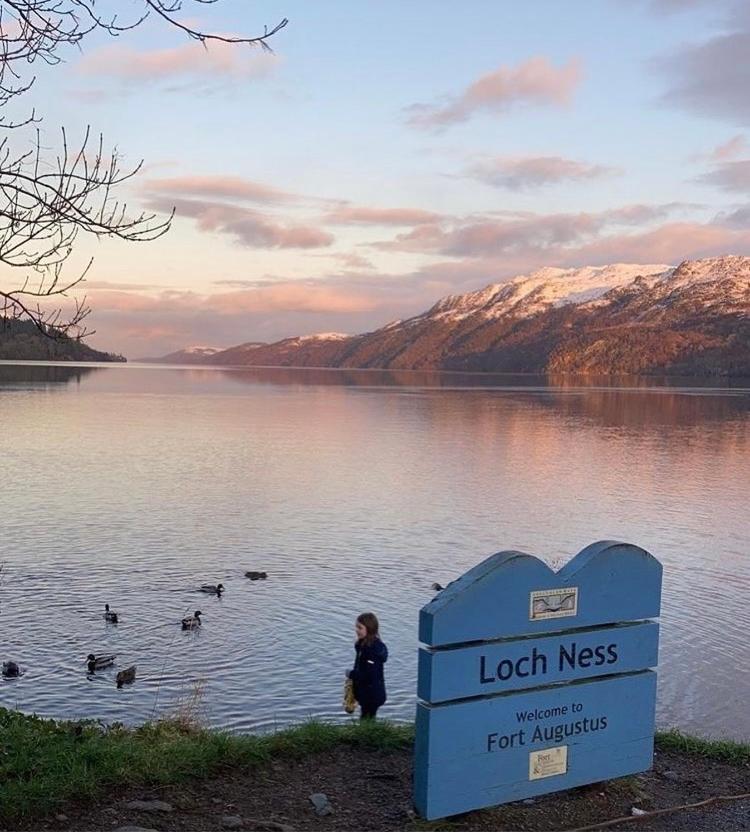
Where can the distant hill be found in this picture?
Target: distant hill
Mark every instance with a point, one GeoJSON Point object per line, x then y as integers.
{"type": "Point", "coordinates": [197, 355]}
{"type": "Point", "coordinates": [21, 340]}
{"type": "Point", "coordinates": [617, 319]}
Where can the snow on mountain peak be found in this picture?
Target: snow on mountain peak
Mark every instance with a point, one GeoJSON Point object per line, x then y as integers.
{"type": "Point", "coordinates": [323, 337]}
{"type": "Point", "coordinates": [547, 287]}
{"type": "Point", "coordinates": [203, 350]}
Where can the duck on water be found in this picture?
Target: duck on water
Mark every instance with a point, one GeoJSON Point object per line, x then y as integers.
{"type": "Point", "coordinates": [99, 662]}
{"type": "Point", "coordinates": [110, 616]}
{"type": "Point", "coordinates": [126, 676]}
{"type": "Point", "coordinates": [209, 589]}
{"type": "Point", "coordinates": [192, 621]}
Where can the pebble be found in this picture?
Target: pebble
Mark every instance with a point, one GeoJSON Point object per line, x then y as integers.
{"type": "Point", "coordinates": [134, 829]}
{"type": "Point", "coordinates": [321, 803]}
{"type": "Point", "coordinates": [636, 811]}
{"type": "Point", "coordinates": [670, 775]}
{"type": "Point", "coordinates": [149, 806]}
{"type": "Point", "coordinates": [62, 818]}
{"type": "Point", "coordinates": [231, 822]}
{"type": "Point", "coordinates": [529, 801]}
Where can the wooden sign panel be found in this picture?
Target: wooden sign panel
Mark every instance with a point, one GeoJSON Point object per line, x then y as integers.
{"type": "Point", "coordinates": [536, 681]}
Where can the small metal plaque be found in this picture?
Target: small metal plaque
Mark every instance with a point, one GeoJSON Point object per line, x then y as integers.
{"type": "Point", "coordinates": [548, 763]}
{"type": "Point", "coordinates": [553, 603]}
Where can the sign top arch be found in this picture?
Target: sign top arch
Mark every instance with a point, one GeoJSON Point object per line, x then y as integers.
{"type": "Point", "coordinates": [512, 593]}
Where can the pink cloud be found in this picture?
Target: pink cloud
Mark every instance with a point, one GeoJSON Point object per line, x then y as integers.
{"type": "Point", "coordinates": [150, 324]}
{"type": "Point", "coordinates": [247, 226]}
{"type": "Point", "coordinates": [518, 173]}
{"type": "Point", "coordinates": [380, 217]}
{"type": "Point", "coordinates": [521, 233]}
{"type": "Point", "coordinates": [730, 149]}
{"type": "Point", "coordinates": [287, 296]}
{"type": "Point", "coordinates": [189, 59]}
{"type": "Point", "coordinates": [668, 244]}
{"type": "Point", "coordinates": [535, 81]}
{"type": "Point", "coordinates": [218, 186]}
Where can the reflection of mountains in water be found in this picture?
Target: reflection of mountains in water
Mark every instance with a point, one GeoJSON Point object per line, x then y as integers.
{"type": "Point", "coordinates": [646, 407]}
{"type": "Point", "coordinates": [618, 401]}
{"type": "Point", "coordinates": [405, 378]}
{"type": "Point", "coordinates": [43, 375]}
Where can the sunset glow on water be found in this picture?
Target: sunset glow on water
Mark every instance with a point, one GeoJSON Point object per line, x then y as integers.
{"type": "Point", "coordinates": [354, 491]}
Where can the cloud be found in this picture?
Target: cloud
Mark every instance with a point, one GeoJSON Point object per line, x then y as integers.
{"type": "Point", "coordinates": [351, 260]}
{"type": "Point", "coordinates": [737, 219]}
{"type": "Point", "coordinates": [365, 215]}
{"type": "Point", "coordinates": [729, 176]}
{"type": "Point", "coordinates": [669, 6]}
{"type": "Point", "coordinates": [518, 173]}
{"type": "Point", "coordinates": [142, 324]}
{"type": "Point", "coordinates": [523, 232]}
{"type": "Point", "coordinates": [216, 59]}
{"type": "Point", "coordinates": [535, 81]}
{"type": "Point", "coordinates": [247, 226]}
{"type": "Point", "coordinates": [730, 149]}
{"type": "Point", "coordinates": [218, 186]}
{"type": "Point", "coordinates": [667, 244]}
{"type": "Point", "coordinates": [711, 78]}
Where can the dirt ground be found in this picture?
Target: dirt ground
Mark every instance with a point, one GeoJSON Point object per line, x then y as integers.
{"type": "Point", "coordinates": [370, 791]}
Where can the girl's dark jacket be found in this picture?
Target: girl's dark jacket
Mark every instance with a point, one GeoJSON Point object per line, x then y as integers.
{"type": "Point", "coordinates": [367, 675]}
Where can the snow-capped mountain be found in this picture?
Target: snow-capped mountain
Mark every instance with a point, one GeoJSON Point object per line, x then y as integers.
{"type": "Point", "coordinates": [195, 355]}
{"type": "Point", "coordinates": [621, 318]}
{"type": "Point", "coordinates": [551, 286]}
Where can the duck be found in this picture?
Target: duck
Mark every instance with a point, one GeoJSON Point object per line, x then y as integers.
{"type": "Point", "coordinates": [193, 621]}
{"type": "Point", "coordinates": [99, 662]}
{"type": "Point", "coordinates": [256, 575]}
{"type": "Point", "coordinates": [11, 669]}
{"type": "Point", "coordinates": [126, 676]}
{"type": "Point", "coordinates": [208, 589]}
{"type": "Point", "coordinates": [437, 587]}
{"type": "Point", "coordinates": [110, 617]}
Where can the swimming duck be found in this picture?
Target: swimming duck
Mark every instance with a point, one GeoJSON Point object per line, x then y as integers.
{"type": "Point", "coordinates": [110, 617]}
{"type": "Point", "coordinates": [11, 669]}
{"type": "Point", "coordinates": [126, 676]}
{"type": "Point", "coordinates": [437, 587]}
{"type": "Point", "coordinates": [256, 575]}
{"type": "Point", "coordinates": [217, 590]}
{"type": "Point", "coordinates": [193, 621]}
{"type": "Point", "coordinates": [99, 662]}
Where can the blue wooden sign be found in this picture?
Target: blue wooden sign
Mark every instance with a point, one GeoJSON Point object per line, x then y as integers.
{"type": "Point", "coordinates": [534, 681]}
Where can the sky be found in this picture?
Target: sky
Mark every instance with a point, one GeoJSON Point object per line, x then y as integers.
{"type": "Point", "coordinates": [388, 154]}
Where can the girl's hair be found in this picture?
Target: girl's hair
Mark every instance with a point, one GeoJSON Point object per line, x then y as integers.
{"type": "Point", "coordinates": [370, 623]}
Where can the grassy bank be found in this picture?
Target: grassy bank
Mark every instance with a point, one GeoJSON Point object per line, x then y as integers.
{"type": "Point", "coordinates": [737, 753]}
{"type": "Point", "coordinates": [44, 763]}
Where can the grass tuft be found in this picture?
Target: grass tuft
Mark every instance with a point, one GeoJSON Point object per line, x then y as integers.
{"type": "Point", "coordinates": [44, 762]}
{"type": "Point", "coordinates": [737, 753]}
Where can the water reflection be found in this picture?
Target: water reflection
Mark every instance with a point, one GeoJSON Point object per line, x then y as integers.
{"type": "Point", "coordinates": [354, 490]}
{"type": "Point", "coordinates": [42, 375]}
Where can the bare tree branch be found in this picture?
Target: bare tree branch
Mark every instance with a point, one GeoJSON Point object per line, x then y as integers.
{"type": "Point", "coordinates": [46, 204]}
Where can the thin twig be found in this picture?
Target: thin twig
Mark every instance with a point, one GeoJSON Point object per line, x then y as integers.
{"type": "Point", "coordinates": [645, 815]}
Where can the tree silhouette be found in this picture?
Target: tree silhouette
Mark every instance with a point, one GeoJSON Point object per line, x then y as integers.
{"type": "Point", "coordinates": [46, 203]}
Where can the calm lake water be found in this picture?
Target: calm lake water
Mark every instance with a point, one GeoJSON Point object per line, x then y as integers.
{"type": "Point", "coordinates": [354, 491]}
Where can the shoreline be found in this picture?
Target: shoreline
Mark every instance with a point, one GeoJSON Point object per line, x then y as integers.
{"type": "Point", "coordinates": [176, 775]}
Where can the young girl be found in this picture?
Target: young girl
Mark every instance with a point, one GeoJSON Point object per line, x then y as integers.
{"type": "Point", "coordinates": [367, 675]}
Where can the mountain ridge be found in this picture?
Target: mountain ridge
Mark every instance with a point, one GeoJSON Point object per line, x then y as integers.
{"type": "Point", "coordinates": [620, 318]}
